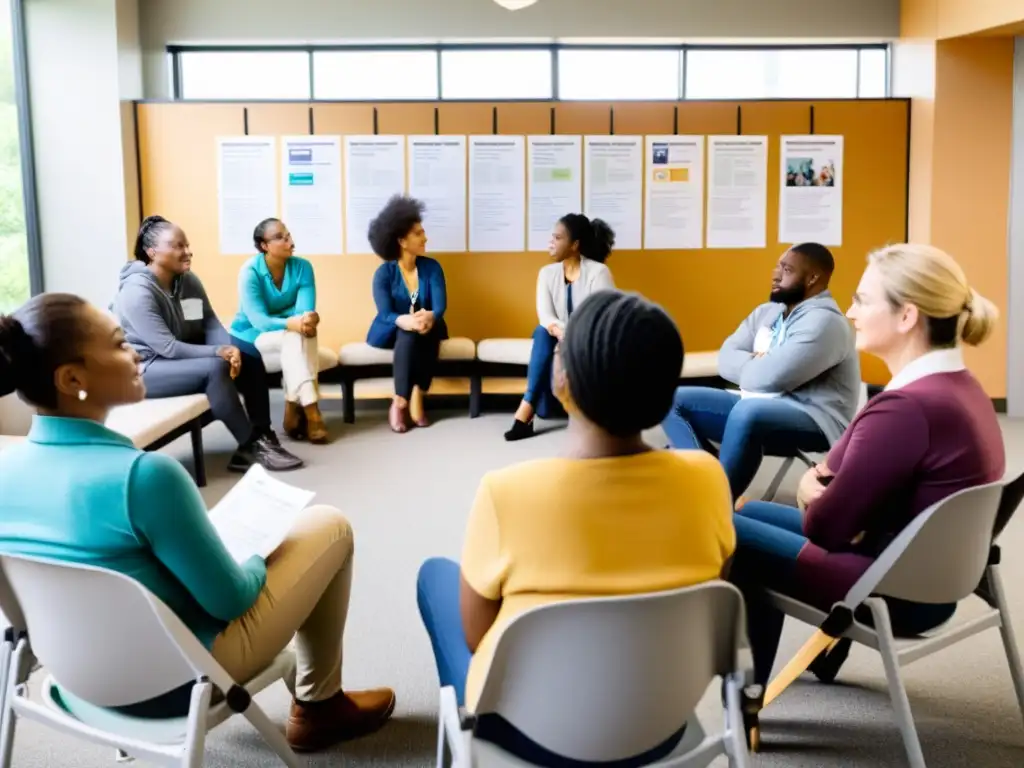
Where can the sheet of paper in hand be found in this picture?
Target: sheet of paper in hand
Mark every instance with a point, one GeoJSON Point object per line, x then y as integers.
{"type": "Point", "coordinates": [255, 516]}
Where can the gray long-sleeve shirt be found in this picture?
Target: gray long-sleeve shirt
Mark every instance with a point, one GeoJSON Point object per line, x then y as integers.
{"type": "Point", "coordinates": [173, 325]}
{"type": "Point", "coordinates": [816, 364]}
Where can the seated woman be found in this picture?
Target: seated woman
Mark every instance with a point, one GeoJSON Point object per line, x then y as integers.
{"type": "Point", "coordinates": [930, 433]}
{"type": "Point", "coordinates": [147, 520]}
{"type": "Point", "coordinates": [579, 248]}
{"type": "Point", "coordinates": [411, 299]}
{"type": "Point", "coordinates": [612, 516]}
{"type": "Point", "coordinates": [277, 313]}
{"type": "Point", "coordinates": [167, 318]}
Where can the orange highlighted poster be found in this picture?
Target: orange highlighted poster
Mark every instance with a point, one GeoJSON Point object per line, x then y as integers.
{"type": "Point", "coordinates": [674, 206]}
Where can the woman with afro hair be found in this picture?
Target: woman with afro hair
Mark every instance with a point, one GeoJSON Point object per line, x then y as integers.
{"type": "Point", "coordinates": [411, 298]}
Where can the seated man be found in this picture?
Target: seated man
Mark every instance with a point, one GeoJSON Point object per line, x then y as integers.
{"type": "Point", "coordinates": [794, 361]}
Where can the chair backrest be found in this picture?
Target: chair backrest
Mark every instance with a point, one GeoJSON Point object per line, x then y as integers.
{"type": "Point", "coordinates": [601, 679]}
{"type": "Point", "coordinates": [102, 635]}
{"type": "Point", "coordinates": [1013, 495]}
{"type": "Point", "coordinates": [941, 555]}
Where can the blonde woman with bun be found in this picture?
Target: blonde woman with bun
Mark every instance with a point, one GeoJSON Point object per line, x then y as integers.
{"type": "Point", "coordinates": [930, 433]}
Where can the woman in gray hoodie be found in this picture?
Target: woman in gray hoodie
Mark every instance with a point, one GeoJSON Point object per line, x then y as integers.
{"type": "Point", "coordinates": [167, 317]}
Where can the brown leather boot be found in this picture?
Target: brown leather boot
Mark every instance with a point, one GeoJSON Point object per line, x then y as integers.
{"type": "Point", "coordinates": [294, 421]}
{"type": "Point", "coordinates": [315, 427]}
{"type": "Point", "coordinates": [317, 725]}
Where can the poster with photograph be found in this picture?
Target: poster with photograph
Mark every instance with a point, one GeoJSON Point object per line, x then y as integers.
{"type": "Point", "coordinates": [674, 210]}
{"type": "Point", "coordinates": [811, 197]}
{"type": "Point", "coordinates": [737, 192]}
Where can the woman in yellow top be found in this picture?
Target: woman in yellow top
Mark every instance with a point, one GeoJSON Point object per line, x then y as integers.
{"type": "Point", "coordinates": [612, 516]}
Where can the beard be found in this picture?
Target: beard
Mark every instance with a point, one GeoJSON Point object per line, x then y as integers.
{"type": "Point", "coordinates": [789, 296]}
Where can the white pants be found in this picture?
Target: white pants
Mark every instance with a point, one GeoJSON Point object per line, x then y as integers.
{"type": "Point", "coordinates": [300, 363]}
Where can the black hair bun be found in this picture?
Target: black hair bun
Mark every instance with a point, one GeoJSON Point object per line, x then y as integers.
{"type": "Point", "coordinates": [12, 341]}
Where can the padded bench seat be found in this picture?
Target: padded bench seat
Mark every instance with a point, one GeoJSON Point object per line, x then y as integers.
{"type": "Point", "coordinates": [359, 360]}
{"type": "Point", "coordinates": [153, 423]}
{"type": "Point", "coordinates": [510, 357]}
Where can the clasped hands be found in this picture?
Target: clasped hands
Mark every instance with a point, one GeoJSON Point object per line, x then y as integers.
{"type": "Point", "coordinates": [421, 321]}
{"type": "Point", "coordinates": [811, 487]}
{"type": "Point", "coordinates": [556, 330]}
{"type": "Point", "coordinates": [306, 324]}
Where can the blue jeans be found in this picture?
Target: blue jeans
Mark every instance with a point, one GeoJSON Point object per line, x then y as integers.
{"type": "Point", "coordinates": [437, 594]}
{"type": "Point", "coordinates": [769, 538]}
{"type": "Point", "coordinates": [538, 376]}
{"type": "Point", "coordinates": [746, 429]}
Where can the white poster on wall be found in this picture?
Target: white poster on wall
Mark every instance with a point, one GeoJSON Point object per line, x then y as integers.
{"type": "Point", "coordinates": [246, 189]}
{"type": "Point", "coordinates": [613, 185]}
{"type": "Point", "coordinates": [737, 215]}
{"type": "Point", "coordinates": [674, 210]}
{"type": "Point", "coordinates": [811, 195]}
{"type": "Point", "coordinates": [374, 171]}
{"type": "Point", "coordinates": [497, 193]}
{"type": "Point", "coordinates": [555, 178]}
{"type": "Point", "coordinates": [311, 192]}
{"type": "Point", "coordinates": [437, 177]}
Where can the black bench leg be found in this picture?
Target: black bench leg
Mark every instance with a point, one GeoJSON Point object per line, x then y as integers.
{"type": "Point", "coordinates": [348, 404]}
{"type": "Point", "coordinates": [198, 454]}
{"type": "Point", "coordinates": [476, 387]}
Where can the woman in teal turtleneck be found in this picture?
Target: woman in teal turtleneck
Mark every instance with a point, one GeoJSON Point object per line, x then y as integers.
{"type": "Point", "coordinates": [277, 315]}
{"type": "Point", "coordinates": [110, 505]}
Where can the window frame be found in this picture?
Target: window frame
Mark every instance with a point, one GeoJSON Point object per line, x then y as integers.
{"type": "Point", "coordinates": [26, 148]}
{"type": "Point", "coordinates": [175, 51]}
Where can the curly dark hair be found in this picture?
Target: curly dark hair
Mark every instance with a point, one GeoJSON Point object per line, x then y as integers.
{"type": "Point", "coordinates": [394, 222]}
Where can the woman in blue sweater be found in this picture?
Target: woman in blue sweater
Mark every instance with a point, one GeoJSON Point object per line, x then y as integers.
{"type": "Point", "coordinates": [277, 314]}
{"type": "Point", "coordinates": [110, 505]}
{"type": "Point", "coordinates": [411, 299]}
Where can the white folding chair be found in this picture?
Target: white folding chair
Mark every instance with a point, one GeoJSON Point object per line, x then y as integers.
{"type": "Point", "coordinates": [110, 642]}
{"type": "Point", "coordinates": [606, 679]}
{"type": "Point", "coordinates": [940, 557]}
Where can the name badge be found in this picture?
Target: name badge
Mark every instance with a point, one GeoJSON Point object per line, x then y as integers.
{"type": "Point", "coordinates": [192, 309]}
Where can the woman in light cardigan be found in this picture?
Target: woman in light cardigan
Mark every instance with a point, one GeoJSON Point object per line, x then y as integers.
{"type": "Point", "coordinates": [579, 248]}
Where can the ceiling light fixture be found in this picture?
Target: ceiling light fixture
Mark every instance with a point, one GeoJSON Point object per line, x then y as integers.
{"type": "Point", "coordinates": [514, 5]}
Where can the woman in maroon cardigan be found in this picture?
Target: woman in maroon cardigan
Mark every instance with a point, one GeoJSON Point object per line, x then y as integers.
{"type": "Point", "coordinates": [930, 433]}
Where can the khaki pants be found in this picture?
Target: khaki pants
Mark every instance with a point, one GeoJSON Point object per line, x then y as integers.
{"type": "Point", "coordinates": [300, 363]}
{"type": "Point", "coordinates": [309, 578]}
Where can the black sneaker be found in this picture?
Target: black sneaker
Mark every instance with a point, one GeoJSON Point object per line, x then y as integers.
{"type": "Point", "coordinates": [268, 453]}
{"type": "Point", "coordinates": [828, 663]}
{"type": "Point", "coordinates": [520, 430]}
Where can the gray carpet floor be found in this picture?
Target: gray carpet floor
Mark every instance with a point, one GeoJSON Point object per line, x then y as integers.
{"type": "Point", "coordinates": [407, 497]}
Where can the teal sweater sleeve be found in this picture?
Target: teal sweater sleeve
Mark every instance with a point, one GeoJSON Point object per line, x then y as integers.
{"type": "Point", "coordinates": [167, 513]}
{"type": "Point", "coordinates": [305, 298]}
{"type": "Point", "coordinates": [254, 306]}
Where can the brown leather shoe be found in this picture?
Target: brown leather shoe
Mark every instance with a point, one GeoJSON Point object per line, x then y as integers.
{"type": "Point", "coordinates": [294, 421]}
{"type": "Point", "coordinates": [316, 725]}
{"type": "Point", "coordinates": [315, 427]}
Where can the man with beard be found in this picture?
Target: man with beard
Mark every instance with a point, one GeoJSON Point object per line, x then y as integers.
{"type": "Point", "coordinates": [794, 362]}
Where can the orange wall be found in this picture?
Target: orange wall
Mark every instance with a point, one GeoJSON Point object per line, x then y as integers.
{"type": "Point", "coordinates": [940, 19]}
{"type": "Point", "coordinates": [707, 291]}
{"type": "Point", "coordinates": [960, 172]}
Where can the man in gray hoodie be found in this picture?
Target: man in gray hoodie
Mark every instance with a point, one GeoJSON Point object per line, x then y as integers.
{"type": "Point", "coordinates": [798, 372]}
{"type": "Point", "coordinates": [167, 317]}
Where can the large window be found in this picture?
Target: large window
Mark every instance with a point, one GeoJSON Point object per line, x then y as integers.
{"type": "Point", "coordinates": [624, 74]}
{"type": "Point", "coordinates": [496, 74]}
{"type": "Point", "coordinates": [15, 284]}
{"type": "Point", "coordinates": [797, 73]}
{"type": "Point", "coordinates": [364, 75]}
{"type": "Point", "coordinates": [566, 72]}
{"type": "Point", "coordinates": [244, 75]}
